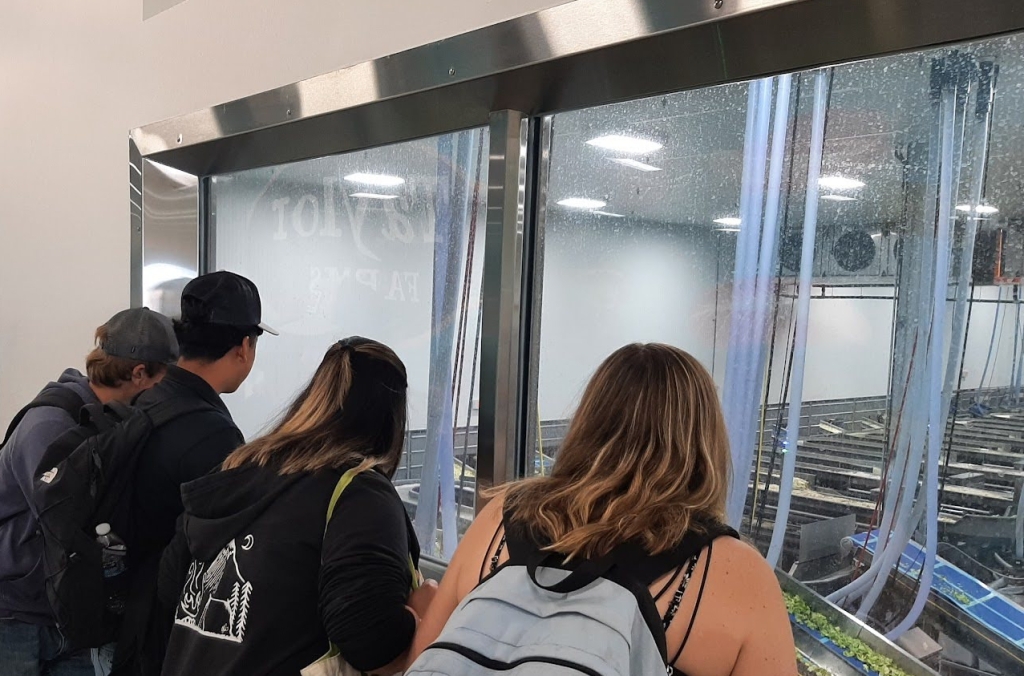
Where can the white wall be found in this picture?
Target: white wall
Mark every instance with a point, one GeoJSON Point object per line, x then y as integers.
{"type": "Point", "coordinates": [76, 76]}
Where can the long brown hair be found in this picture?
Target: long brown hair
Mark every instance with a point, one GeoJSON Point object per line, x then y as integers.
{"type": "Point", "coordinates": [645, 458]}
{"type": "Point", "coordinates": [352, 412]}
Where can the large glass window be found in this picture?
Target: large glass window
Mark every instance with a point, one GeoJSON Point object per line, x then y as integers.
{"type": "Point", "coordinates": [385, 243]}
{"type": "Point", "coordinates": [841, 248]}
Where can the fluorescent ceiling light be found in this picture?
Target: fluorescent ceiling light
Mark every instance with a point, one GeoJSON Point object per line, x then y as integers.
{"type": "Point", "coordinates": [840, 183]}
{"type": "Point", "coordinates": [582, 203]}
{"type": "Point", "coordinates": [381, 180]}
{"type": "Point", "coordinates": [981, 209]}
{"type": "Point", "coordinates": [729, 221]}
{"type": "Point", "coordinates": [625, 144]}
{"type": "Point", "coordinates": [727, 229]}
{"type": "Point", "coordinates": [373, 196]}
{"type": "Point", "coordinates": [877, 235]}
{"type": "Point", "coordinates": [633, 164]}
{"type": "Point", "coordinates": [838, 198]}
{"type": "Point", "coordinates": [607, 213]}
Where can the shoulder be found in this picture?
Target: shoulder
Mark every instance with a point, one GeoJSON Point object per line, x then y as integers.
{"type": "Point", "coordinates": [370, 490]}
{"type": "Point", "coordinates": [740, 572]}
{"type": "Point", "coordinates": [48, 415]}
{"type": "Point", "coordinates": [41, 426]}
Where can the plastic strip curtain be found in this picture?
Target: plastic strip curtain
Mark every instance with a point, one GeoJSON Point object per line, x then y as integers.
{"type": "Point", "coordinates": [456, 154]}
{"type": "Point", "coordinates": [822, 80]}
{"type": "Point", "coordinates": [921, 358]}
{"type": "Point", "coordinates": [952, 105]}
{"type": "Point", "coordinates": [747, 339]}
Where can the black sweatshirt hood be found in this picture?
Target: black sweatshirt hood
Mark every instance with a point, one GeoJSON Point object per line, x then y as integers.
{"type": "Point", "coordinates": [220, 506]}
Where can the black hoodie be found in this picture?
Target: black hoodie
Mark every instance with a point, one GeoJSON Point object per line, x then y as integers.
{"type": "Point", "coordinates": [250, 593]}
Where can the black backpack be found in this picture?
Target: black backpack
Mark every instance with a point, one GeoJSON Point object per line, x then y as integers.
{"type": "Point", "coordinates": [86, 478]}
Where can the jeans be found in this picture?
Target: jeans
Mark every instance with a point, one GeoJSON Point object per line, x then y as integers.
{"type": "Point", "coordinates": [103, 659]}
{"type": "Point", "coordinates": [34, 650]}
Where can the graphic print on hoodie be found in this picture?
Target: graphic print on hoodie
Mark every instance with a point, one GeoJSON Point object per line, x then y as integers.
{"type": "Point", "coordinates": [207, 605]}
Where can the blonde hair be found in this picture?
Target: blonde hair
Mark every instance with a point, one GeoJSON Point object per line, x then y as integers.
{"type": "Point", "coordinates": [353, 412]}
{"type": "Point", "coordinates": [109, 371]}
{"type": "Point", "coordinates": [645, 459]}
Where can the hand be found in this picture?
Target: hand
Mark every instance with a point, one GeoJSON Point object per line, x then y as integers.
{"type": "Point", "coordinates": [420, 599]}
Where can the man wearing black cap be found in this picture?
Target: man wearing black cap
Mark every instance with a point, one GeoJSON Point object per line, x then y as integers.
{"type": "Point", "coordinates": [131, 355]}
{"type": "Point", "coordinates": [217, 334]}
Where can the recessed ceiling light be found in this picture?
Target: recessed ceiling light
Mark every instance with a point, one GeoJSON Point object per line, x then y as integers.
{"type": "Point", "coordinates": [607, 213]}
{"type": "Point", "coordinates": [981, 209]}
{"type": "Point", "coordinates": [730, 221]}
{"type": "Point", "coordinates": [634, 164]}
{"type": "Point", "coordinates": [382, 180]}
{"type": "Point", "coordinates": [839, 198]}
{"type": "Point", "coordinates": [582, 203]}
{"type": "Point", "coordinates": [373, 196]}
{"type": "Point", "coordinates": [840, 183]}
{"type": "Point", "coordinates": [625, 144]}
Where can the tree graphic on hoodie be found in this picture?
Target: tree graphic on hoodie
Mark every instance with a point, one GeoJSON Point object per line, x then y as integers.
{"type": "Point", "coordinates": [243, 612]}
{"type": "Point", "coordinates": [233, 605]}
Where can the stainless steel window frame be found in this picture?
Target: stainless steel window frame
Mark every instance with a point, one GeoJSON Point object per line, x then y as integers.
{"type": "Point", "coordinates": [581, 54]}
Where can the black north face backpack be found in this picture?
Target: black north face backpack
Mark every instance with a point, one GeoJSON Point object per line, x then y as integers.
{"type": "Point", "coordinates": [85, 479]}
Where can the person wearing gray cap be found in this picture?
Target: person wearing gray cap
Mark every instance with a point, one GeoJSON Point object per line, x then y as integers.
{"type": "Point", "coordinates": [132, 353]}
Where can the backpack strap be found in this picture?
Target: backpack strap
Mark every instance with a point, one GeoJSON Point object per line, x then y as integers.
{"type": "Point", "coordinates": [696, 605]}
{"type": "Point", "coordinates": [328, 663]}
{"type": "Point", "coordinates": [63, 398]}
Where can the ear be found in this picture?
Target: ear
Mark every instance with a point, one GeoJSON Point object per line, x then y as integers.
{"type": "Point", "coordinates": [139, 373]}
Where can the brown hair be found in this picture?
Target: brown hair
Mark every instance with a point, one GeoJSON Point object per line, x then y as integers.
{"type": "Point", "coordinates": [645, 459]}
{"type": "Point", "coordinates": [109, 371]}
{"type": "Point", "coordinates": [352, 412]}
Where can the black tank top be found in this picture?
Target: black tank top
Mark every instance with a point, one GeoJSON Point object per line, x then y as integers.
{"type": "Point", "coordinates": [641, 566]}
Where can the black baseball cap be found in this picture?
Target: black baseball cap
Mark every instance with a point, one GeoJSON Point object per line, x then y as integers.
{"type": "Point", "coordinates": [225, 299]}
{"type": "Point", "coordinates": [141, 334]}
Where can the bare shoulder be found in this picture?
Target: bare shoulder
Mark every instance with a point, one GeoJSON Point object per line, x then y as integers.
{"type": "Point", "coordinates": [738, 569]}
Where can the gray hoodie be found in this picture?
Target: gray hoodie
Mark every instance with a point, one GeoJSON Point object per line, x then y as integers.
{"type": "Point", "coordinates": [22, 590]}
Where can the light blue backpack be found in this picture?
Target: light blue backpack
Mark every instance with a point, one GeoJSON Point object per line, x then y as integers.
{"type": "Point", "coordinates": [532, 618]}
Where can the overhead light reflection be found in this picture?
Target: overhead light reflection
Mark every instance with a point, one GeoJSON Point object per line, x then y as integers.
{"type": "Point", "coordinates": [729, 221]}
{"type": "Point", "coordinates": [381, 180]}
{"type": "Point", "coordinates": [981, 209]}
{"type": "Point", "coordinates": [840, 183]}
{"type": "Point", "coordinates": [633, 164]}
{"type": "Point", "coordinates": [582, 203]}
{"type": "Point", "coordinates": [625, 144]}
{"type": "Point", "coordinates": [373, 196]}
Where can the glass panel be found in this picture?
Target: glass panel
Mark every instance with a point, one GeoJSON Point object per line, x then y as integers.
{"type": "Point", "coordinates": [841, 248]}
{"type": "Point", "coordinates": [384, 243]}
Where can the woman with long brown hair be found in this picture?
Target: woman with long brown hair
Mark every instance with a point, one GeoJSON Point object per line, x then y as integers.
{"type": "Point", "coordinates": [639, 483]}
{"type": "Point", "coordinates": [262, 578]}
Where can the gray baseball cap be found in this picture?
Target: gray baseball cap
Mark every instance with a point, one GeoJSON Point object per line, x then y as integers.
{"type": "Point", "coordinates": [141, 334]}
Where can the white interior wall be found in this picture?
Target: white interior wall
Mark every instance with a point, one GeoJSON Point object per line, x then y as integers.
{"type": "Point", "coordinates": [76, 76]}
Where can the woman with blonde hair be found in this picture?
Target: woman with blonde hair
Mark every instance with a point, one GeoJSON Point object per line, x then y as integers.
{"type": "Point", "coordinates": [262, 578]}
{"type": "Point", "coordinates": [636, 496]}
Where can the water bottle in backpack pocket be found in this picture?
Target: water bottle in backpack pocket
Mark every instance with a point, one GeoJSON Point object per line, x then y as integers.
{"type": "Point", "coordinates": [115, 565]}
